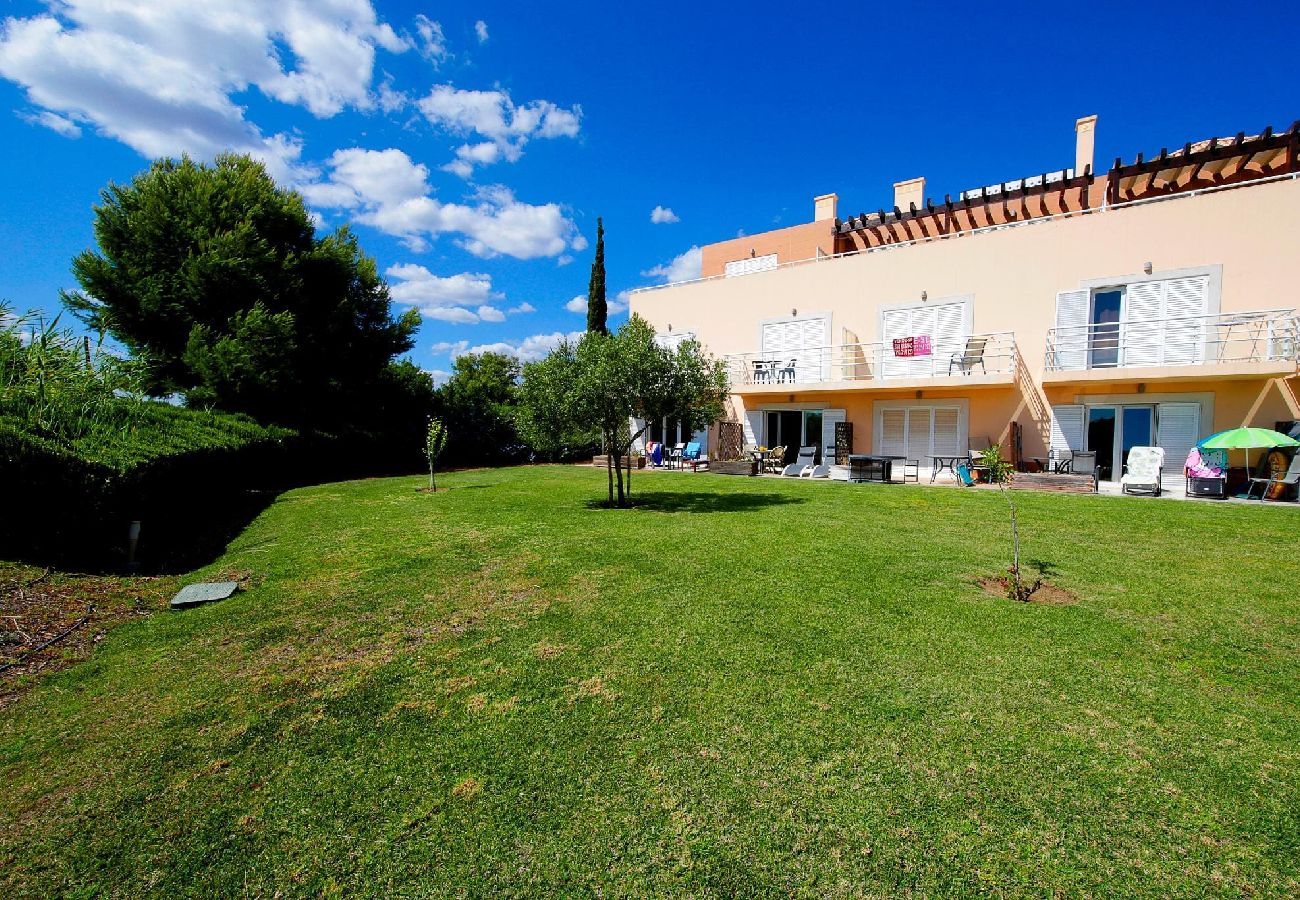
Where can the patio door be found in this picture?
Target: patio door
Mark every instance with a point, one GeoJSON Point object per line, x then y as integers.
{"type": "Point", "coordinates": [1115, 430]}
{"type": "Point", "coordinates": [920, 432]}
{"type": "Point", "coordinates": [795, 428]}
{"type": "Point", "coordinates": [946, 327]}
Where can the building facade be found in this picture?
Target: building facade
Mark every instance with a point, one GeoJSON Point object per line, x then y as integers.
{"type": "Point", "coordinates": [1150, 305]}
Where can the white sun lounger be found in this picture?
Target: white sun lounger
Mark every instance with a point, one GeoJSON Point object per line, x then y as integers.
{"type": "Point", "coordinates": [1142, 472]}
{"type": "Point", "coordinates": [804, 461]}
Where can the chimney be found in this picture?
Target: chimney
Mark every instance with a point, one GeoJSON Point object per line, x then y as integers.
{"type": "Point", "coordinates": [1084, 130]}
{"type": "Point", "coordinates": [908, 192]}
{"type": "Point", "coordinates": [824, 207]}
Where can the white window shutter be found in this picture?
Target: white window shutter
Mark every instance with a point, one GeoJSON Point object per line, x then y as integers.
{"type": "Point", "coordinates": [753, 426]}
{"type": "Point", "coordinates": [893, 432]}
{"type": "Point", "coordinates": [1185, 304]}
{"type": "Point", "coordinates": [829, 418]}
{"type": "Point", "coordinates": [639, 443]}
{"type": "Point", "coordinates": [1070, 343]}
{"type": "Point", "coordinates": [1140, 337]}
{"type": "Point", "coordinates": [1178, 428]}
{"type": "Point", "coordinates": [1067, 427]}
{"type": "Point", "coordinates": [948, 440]}
{"type": "Point", "coordinates": [919, 428]}
{"type": "Point", "coordinates": [950, 335]}
{"type": "Point", "coordinates": [894, 323]}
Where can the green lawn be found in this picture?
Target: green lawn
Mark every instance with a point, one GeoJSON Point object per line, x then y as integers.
{"type": "Point", "coordinates": [745, 687]}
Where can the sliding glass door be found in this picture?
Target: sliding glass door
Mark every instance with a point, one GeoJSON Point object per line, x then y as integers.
{"type": "Point", "coordinates": [794, 428]}
{"type": "Point", "coordinates": [1115, 430]}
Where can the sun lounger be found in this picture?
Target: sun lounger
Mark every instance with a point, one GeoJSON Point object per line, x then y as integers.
{"type": "Point", "coordinates": [804, 461]}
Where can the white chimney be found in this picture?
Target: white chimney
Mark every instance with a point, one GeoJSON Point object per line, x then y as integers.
{"type": "Point", "coordinates": [909, 192]}
{"type": "Point", "coordinates": [1084, 132]}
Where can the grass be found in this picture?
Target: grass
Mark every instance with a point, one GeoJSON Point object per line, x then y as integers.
{"type": "Point", "coordinates": [742, 688]}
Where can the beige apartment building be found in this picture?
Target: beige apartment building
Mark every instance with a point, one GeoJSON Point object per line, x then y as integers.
{"type": "Point", "coordinates": [1152, 304]}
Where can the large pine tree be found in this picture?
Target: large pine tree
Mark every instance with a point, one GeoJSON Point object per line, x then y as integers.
{"type": "Point", "coordinates": [597, 308]}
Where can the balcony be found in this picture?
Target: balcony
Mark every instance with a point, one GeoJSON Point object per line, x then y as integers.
{"type": "Point", "coordinates": [984, 360]}
{"type": "Point", "coordinates": [1251, 344]}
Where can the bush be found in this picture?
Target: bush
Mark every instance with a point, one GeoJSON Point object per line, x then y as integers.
{"type": "Point", "coordinates": [187, 475]}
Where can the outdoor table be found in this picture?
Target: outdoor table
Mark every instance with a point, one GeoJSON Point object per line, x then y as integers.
{"type": "Point", "coordinates": [862, 465]}
{"type": "Point", "coordinates": [765, 371]}
{"type": "Point", "coordinates": [945, 462]}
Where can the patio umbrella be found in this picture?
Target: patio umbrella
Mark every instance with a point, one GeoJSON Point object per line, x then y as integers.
{"type": "Point", "coordinates": [1247, 439]}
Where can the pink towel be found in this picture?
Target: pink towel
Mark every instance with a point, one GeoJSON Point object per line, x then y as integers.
{"type": "Point", "coordinates": [1198, 466]}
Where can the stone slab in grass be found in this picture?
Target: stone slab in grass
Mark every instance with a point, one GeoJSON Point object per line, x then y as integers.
{"type": "Point", "coordinates": [204, 592]}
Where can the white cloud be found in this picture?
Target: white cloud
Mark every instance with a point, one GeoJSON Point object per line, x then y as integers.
{"type": "Point", "coordinates": [612, 307]}
{"type": "Point", "coordinates": [491, 314]}
{"type": "Point", "coordinates": [53, 121]}
{"type": "Point", "coordinates": [524, 307]}
{"type": "Point", "coordinates": [480, 29]}
{"type": "Point", "coordinates": [161, 77]}
{"type": "Point", "coordinates": [432, 42]}
{"type": "Point", "coordinates": [455, 315]}
{"type": "Point", "coordinates": [389, 191]}
{"type": "Point", "coordinates": [683, 267]}
{"type": "Point", "coordinates": [451, 348]}
{"type": "Point", "coordinates": [530, 349]}
{"type": "Point", "coordinates": [492, 115]}
{"type": "Point", "coordinates": [663, 215]}
{"type": "Point", "coordinates": [417, 286]}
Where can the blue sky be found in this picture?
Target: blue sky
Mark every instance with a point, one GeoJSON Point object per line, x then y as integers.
{"type": "Point", "coordinates": [473, 145]}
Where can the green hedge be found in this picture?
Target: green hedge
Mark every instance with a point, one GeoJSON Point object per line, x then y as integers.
{"type": "Point", "coordinates": [186, 475]}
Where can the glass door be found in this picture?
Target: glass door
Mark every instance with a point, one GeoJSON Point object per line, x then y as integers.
{"type": "Point", "coordinates": [812, 431]}
{"type": "Point", "coordinates": [1103, 331]}
{"type": "Point", "coordinates": [1137, 429]}
{"type": "Point", "coordinates": [1102, 429]}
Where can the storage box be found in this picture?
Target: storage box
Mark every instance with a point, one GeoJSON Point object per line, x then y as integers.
{"type": "Point", "coordinates": [1206, 487]}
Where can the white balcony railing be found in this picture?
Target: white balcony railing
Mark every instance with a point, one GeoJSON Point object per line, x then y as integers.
{"type": "Point", "coordinates": [982, 354]}
{"type": "Point", "coordinates": [1254, 336]}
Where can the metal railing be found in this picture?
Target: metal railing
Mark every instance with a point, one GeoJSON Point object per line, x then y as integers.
{"type": "Point", "coordinates": [981, 354]}
{"type": "Point", "coordinates": [1251, 336]}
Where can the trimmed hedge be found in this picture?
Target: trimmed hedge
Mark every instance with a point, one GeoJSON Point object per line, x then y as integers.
{"type": "Point", "coordinates": [184, 474]}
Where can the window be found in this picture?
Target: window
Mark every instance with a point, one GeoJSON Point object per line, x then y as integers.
{"type": "Point", "coordinates": [946, 324]}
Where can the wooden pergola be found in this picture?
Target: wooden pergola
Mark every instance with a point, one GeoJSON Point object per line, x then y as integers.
{"type": "Point", "coordinates": [1211, 163]}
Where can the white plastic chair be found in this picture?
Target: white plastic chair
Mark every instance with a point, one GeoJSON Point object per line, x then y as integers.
{"type": "Point", "coordinates": [1142, 471]}
{"type": "Point", "coordinates": [804, 461]}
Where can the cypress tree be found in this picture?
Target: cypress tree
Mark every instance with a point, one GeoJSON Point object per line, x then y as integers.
{"type": "Point", "coordinates": [597, 309]}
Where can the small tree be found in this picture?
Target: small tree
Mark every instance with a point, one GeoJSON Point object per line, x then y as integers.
{"type": "Point", "coordinates": [603, 382]}
{"type": "Point", "coordinates": [434, 442]}
{"type": "Point", "coordinates": [1000, 473]}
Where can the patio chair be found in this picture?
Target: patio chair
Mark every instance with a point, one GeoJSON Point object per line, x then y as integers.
{"type": "Point", "coordinates": [691, 454]}
{"type": "Point", "coordinates": [1084, 462]}
{"type": "Point", "coordinates": [1058, 461]}
{"type": "Point", "coordinates": [762, 374]}
{"type": "Point", "coordinates": [911, 470]}
{"type": "Point", "coordinates": [977, 447]}
{"type": "Point", "coordinates": [1142, 471]}
{"type": "Point", "coordinates": [804, 461]}
{"type": "Point", "coordinates": [1290, 479]}
{"type": "Point", "coordinates": [821, 470]}
{"type": "Point", "coordinates": [965, 361]}
{"type": "Point", "coordinates": [675, 455]}
{"type": "Point", "coordinates": [787, 373]}
{"type": "Point", "coordinates": [775, 460]}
